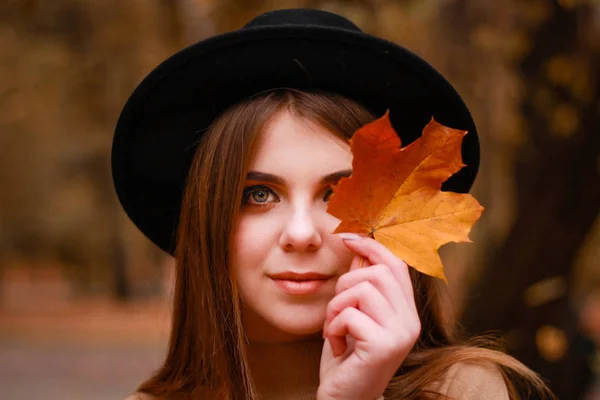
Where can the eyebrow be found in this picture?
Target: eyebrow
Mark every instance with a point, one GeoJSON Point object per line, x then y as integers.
{"type": "Point", "coordinates": [277, 180]}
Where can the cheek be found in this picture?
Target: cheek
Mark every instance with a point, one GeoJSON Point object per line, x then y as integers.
{"type": "Point", "coordinates": [252, 241]}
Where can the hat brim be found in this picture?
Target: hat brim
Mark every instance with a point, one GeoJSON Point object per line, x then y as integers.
{"type": "Point", "coordinates": [160, 125]}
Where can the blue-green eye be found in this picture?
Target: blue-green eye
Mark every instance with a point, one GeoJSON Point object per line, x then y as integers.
{"type": "Point", "coordinates": [259, 195]}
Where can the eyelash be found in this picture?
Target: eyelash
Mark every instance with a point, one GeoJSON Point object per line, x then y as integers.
{"type": "Point", "coordinates": [251, 189]}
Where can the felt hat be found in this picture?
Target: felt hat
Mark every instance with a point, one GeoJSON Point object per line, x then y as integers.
{"type": "Point", "coordinates": [161, 122]}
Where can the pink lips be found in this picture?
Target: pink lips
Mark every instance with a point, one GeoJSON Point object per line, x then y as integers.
{"type": "Point", "coordinates": [300, 287]}
{"type": "Point", "coordinates": [300, 284]}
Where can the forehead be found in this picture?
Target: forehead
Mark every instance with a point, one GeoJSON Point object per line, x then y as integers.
{"type": "Point", "coordinates": [289, 141]}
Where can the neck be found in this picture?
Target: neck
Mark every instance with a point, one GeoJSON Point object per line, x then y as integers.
{"type": "Point", "coordinates": [287, 371]}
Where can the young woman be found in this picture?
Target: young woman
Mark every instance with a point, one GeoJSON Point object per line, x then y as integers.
{"type": "Point", "coordinates": [226, 155]}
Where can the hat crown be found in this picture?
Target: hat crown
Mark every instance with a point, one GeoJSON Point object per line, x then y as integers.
{"type": "Point", "coordinates": [162, 122]}
{"type": "Point", "coordinates": [301, 17]}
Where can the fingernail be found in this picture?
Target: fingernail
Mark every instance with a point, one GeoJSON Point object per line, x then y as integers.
{"type": "Point", "coordinates": [349, 236]}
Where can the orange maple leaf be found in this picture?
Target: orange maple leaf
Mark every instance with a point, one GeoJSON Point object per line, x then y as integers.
{"type": "Point", "coordinates": [394, 194]}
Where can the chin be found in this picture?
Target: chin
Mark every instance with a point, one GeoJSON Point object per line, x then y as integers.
{"type": "Point", "coordinates": [277, 320]}
{"type": "Point", "coordinates": [298, 323]}
{"type": "Point", "coordinates": [301, 329]}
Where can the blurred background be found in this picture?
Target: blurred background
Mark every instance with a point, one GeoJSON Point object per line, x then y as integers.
{"type": "Point", "coordinates": [84, 297]}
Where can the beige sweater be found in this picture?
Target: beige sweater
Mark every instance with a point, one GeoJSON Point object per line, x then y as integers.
{"type": "Point", "coordinates": [291, 372]}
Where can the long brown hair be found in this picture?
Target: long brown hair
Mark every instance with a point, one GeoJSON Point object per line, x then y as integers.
{"type": "Point", "coordinates": [206, 354]}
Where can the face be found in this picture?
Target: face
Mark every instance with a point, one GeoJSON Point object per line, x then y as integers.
{"type": "Point", "coordinates": [283, 227]}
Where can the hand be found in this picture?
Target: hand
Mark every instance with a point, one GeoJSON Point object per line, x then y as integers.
{"type": "Point", "coordinates": [371, 325]}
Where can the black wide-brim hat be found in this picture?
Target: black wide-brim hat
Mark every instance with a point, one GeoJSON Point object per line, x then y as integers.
{"type": "Point", "coordinates": [161, 123]}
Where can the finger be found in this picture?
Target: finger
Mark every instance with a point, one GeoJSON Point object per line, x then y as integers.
{"type": "Point", "coordinates": [357, 261]}
{"type": "Point", "coordinates": [353, 322]}
{"type": "Point", "coordinates": [364, 297]}
{"type": "Point", "coordinates": [373, 251]}
{"type": "Point", "coordinates": [382, 278]}
{"type": "Point", "coordinates": [338, 344]}
{"type": "Point", "coordinates": [377, 253]}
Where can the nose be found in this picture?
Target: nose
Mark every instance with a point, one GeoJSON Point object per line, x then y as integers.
{"type": "Point", "coordinates": [301, 232]}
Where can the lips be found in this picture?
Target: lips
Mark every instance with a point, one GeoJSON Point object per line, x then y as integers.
{"type": "Point", "coordinates": [300, 283]}
{"type": "Point", "coordinates": [305, 276]}
{"type": "Point", "coordinates": [304, 287]}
